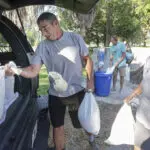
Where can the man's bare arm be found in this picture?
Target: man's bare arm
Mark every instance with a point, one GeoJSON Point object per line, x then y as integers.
{"type": "Point", "coordinates": [89, 70]}
{"type": "Point", "coordinates": [28, 72]}
{"type": "Point", "coordinates": [31, 71]}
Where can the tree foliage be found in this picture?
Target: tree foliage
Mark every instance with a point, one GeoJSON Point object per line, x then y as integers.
{"type": "Point", "coordinates": [142, 9]}
{"type": "Point", "coordinates": [129, 19]}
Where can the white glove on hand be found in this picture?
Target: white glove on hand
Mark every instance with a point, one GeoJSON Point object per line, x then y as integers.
{"type": "Point", "coordinates": [59, 84]}
{"type": "Point", "coordinates": [14, 68]}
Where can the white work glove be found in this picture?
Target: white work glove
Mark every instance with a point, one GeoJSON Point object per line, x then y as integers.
{"type": "Point", "coordinates": [59, 84]}
{"type": "Point", "coordinates": [14, 68]}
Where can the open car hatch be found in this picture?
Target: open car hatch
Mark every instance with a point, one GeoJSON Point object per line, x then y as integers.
{"type": "Point", "coordinates": [81, 6]}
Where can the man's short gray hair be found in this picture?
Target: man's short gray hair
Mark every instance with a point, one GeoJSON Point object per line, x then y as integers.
{"type": "Point", "coordinates": [46, 16]}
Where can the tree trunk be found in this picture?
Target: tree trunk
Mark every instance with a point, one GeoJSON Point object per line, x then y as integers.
{"type": "Point", "coordinates": [97, 41]}
{"type": "Point", "coordinates": [144, 42]}
{"type": "Point", "coordinates": [108, 25]}
{"type": "Point", "coordinates": [145, 38]}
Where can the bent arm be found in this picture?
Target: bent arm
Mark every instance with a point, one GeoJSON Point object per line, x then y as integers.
{"type": "Point", "coordinates": [89, 71]}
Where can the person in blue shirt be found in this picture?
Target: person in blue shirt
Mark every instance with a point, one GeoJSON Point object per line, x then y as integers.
{"type": "Point", "coordinates": [118, 59]}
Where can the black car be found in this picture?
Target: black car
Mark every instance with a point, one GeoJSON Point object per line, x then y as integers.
{"type": "Point", "coordinates": [18, 130]}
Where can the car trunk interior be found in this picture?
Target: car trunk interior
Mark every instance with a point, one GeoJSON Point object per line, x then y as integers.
{"type": "Point", "coordinates": [14, 47]}
{"type": "Point", "coordinates": [80, 6]}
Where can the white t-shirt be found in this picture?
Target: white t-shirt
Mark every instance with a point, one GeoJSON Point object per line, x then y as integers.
{"type": "Point", "coordinates": [64, 57]}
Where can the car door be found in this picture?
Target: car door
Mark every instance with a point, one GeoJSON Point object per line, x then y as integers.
{"type": "Point", "coordinates": [21, 116]}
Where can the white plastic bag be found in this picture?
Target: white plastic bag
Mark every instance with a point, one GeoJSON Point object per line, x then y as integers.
{"type": "Point", "coordinates": [14, 68]}
{"type": "Point", "coordinates": [2, 91]}
{"type": "Point", "coordinates": [110, 70]}
{"type": "Point", "coordinates": [122, 131]}
{"type": "Point", "coordinates": [9, 87]}
{"type": "Point", "coordinates": [89, 114]}
{"type": "Point", "coordinates": [59, 84]}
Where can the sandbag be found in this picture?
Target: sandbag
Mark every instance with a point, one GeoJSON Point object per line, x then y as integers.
{"type": "Point", "coordinates": [89, 114]}
{"type": "Point", "coordinates": [2, 91]}
{"type": "Point", "coordinates": [59, 84]}
{"type": "Point", "coordinates": [122, 131]}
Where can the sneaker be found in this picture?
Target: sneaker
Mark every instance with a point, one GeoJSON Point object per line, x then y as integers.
{"type": "Point", "coordinates": [94, 146]}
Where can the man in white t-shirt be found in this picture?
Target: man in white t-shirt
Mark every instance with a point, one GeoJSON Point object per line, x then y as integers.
{"type": "Point", "coordinates": [63, 53]}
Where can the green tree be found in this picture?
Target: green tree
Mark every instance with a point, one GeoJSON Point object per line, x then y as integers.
{"type": "Point", "coordinates": [68, 20]}
{"type": "Point", "coordinates": [96, 34]}
{"type": "Point", "coordinates": [114, 17]}
{"type": "Point", "coordinates": [125, 22]}
{"type": "Point", "coordinates": [142, 9]}
{"type": "Point", "coordinates": [33, 36]}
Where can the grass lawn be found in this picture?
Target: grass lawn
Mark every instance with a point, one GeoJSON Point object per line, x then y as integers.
{"type": "Point", "coordinates": [43, 81]}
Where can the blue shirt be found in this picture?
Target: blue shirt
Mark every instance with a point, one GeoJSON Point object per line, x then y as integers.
{"type": "Point", "coordinates": [116, 51]}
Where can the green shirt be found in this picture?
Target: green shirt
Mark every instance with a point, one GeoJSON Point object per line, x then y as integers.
{"type": "Point", "coordinates": [116, 51]}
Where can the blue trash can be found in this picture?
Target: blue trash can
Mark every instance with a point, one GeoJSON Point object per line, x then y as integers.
{"type": "Point", "coordinates": [102, 83]}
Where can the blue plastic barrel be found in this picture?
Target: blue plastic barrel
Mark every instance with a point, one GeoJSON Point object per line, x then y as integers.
{"type": "Point", "coordinates": [101, 56]}
{"type": "Point", "coordinates": [102, 83]}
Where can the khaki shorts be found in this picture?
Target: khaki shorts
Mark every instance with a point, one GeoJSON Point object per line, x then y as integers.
{"type": "Point", "coordinates": [122, 71]}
